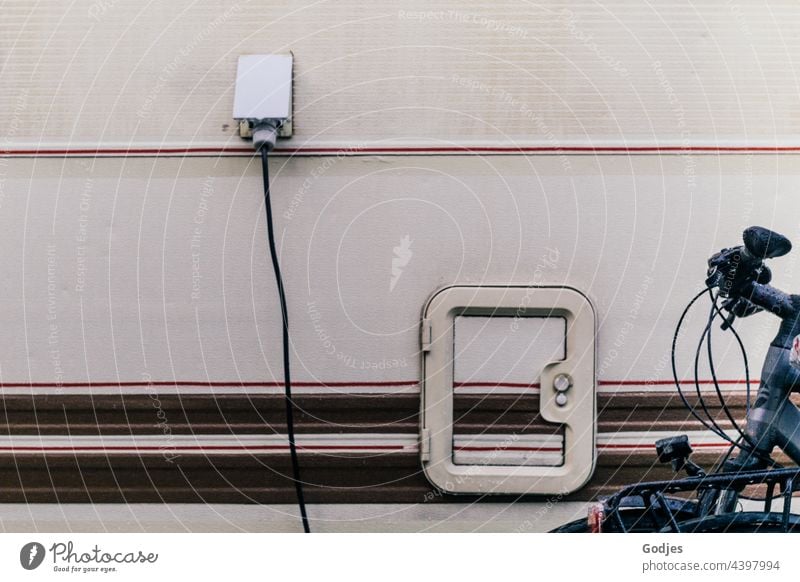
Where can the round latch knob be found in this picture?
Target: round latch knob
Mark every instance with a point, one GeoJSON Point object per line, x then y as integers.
{"type": "Point", "coordinates": [561, 399]}
{"type": "Point", "coordinates": [562, 383]}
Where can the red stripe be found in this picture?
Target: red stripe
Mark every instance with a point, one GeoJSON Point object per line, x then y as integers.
{"type": "Point", "coordinates": [125, 151]}
{"type": "Point", "coordinates": [204, 384]}
{"type": "Point", "coordinates": [339, 384]}
{"type": "Point", "coordinates": [667, 382]}
{"type": "Point", "coordinates": [247, 151]}
{"type": "Point", "coordinates": [495, 385]}
{"type": "Point", "coordinates": [211, 448]}
{"type": "Point", "coordinates": [328, 447]}
{"type": "Point", "coordinates": [648, 446]}
{"type": "Point", "coordinates": [600, 383]}
{"type": "Point", "coordinates": [524, 449]}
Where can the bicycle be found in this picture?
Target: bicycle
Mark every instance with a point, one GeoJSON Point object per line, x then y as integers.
{"type": "Point", "coordinates": [740, 278]}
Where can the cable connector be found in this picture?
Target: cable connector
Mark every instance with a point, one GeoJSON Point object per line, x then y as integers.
{"type": "Point", "coordinates": [265, 134]}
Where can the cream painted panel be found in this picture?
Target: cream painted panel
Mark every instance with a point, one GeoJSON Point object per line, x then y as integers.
{"type": "Point", "coordinates": [520, 346]}
{"type": "Point", "coordinates": [173, 280]}
{"type": "Point", "coordinates": [414, 72]}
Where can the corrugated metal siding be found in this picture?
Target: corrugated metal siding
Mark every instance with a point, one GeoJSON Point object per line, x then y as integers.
{"type": "Point", "coordinates": [129, 73]}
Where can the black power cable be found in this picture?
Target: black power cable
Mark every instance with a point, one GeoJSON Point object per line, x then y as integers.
{"type": "Point", "coordinates": [287, 377]}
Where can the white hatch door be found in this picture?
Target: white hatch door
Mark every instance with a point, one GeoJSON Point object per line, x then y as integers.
{"type": "Point", "coordinates": [508, 391]}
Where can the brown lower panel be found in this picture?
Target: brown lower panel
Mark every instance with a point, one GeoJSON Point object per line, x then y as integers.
{"type": "Point", "coordinates": [197, 479]}
{"type": "Point", "coordinates": [387, 413]}
{"type": "Point", "coordinates": [206, 414]}
{"type": "Point", "coordinates": [262, 479]}
{"type": "Point", "coordinates": [391, 478]}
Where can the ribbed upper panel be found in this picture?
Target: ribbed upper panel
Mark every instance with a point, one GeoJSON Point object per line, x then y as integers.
{"type": "Point", "coordinates": [413, 72]}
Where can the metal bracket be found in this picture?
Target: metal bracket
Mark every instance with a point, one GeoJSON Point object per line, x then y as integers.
{"type": "Point", "coordinates": [425, 335]}
{"type": "Point", "coordinates": [246, 129]}
{"type": "Point", "coordinates": [425, 445]}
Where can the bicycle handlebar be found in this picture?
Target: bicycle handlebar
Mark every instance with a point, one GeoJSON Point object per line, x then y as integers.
{"type": "Point", "coordinates": [732, 268]}
{"type": "Point", "coordinates": [761, 243]}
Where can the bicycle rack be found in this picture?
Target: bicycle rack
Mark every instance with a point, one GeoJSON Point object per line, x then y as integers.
{"type": "Point", "coordinates": [780, 483]}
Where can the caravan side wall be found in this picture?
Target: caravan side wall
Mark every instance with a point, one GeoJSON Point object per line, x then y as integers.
{"type": "Point", "coordinates": [609, 148]}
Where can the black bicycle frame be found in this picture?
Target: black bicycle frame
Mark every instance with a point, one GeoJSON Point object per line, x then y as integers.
{"type": "Point", "coordinates": [774, 420]}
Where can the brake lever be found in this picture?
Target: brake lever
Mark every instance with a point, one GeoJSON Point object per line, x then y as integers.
{"type": "Point", "coordinates": [737, 307]}
{"type": "Point", "coordinates": [728, 322]}
{"type": "Point", "coordinates": [728, 305]}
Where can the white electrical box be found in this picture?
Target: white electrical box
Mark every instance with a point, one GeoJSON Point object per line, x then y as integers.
{"type": "Point", "coordinates": [263, 88]}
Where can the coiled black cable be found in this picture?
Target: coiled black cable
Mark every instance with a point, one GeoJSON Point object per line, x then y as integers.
{"type": "Point", "coordinates": [709, 424]}
{"type": "Point", "coordinates": [675, 367]}
{"type": "Point", "coordinates": [700, 398]}
{"type": "Point", "coordinates": [745, 359]}
{"type": "Point", "coordinates": [287, 376]}
{"type": "Point", "coordinates": [742, 434]}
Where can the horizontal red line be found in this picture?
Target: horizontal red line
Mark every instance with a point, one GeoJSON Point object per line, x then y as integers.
{"type": "Point", "coordinates": [328, 448]}
{"type": "Point", "coordinates": [547, 149]}
{"type": "Point", "coordinates": [125, 151]}
{"type": "Point", "coordinates": [325, 447]}
{"type": "Point", "coordinates": [667, 382]}
{"type": "Point", "coordinates": [400, 150]}
{"type": "Point", "coordinates": [652, 445]}
{"type": "Point", "coordinates": [201, 384]}
{"type": "Point", "coordinates": [339, 384]}
{"type": "Point", "coordinates": [210, 448]}
{"type": "Point", "coordinates": [601, 383]}
{"type": "Point", "coordinates": [524, 449]}
{"type": "Point", "coordinates": [495, 385]}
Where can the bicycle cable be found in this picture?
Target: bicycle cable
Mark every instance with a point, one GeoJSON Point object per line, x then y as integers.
{"type": "Point", "coordinates": [748, 391]}
{"type": "Point", "coordinates": [711, 425]}
{"type": "Point", "coordinates": [700, 398]}
{"type": "Point", "coordinates": [712, 368]}
{"type": "Point", "coordinates": [674, 364]}
{"type": "Point", "coordinates": [751, 446]}
{"type": "Point", "coordinates": [743, 434]}
{"type": "Point", "coordinates": [746, 362]}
